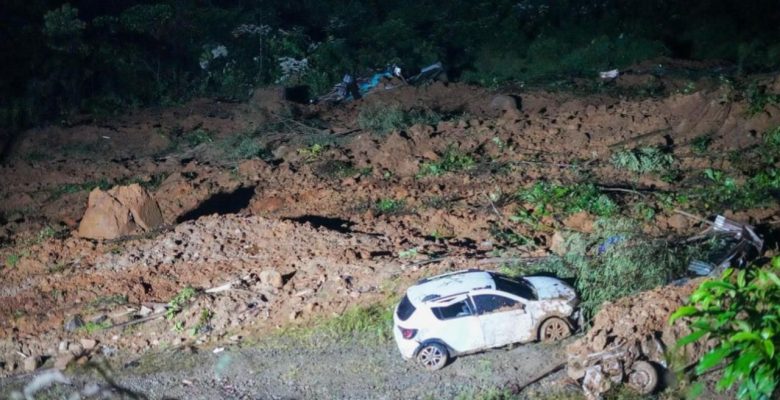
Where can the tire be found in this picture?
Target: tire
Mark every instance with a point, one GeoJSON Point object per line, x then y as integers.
{"type": "Point", "coordinates": [643, 377]}
{"type": "Point", "coordinates": [554, 329]}
{"type": "Point", "coordinates": [433, 356]}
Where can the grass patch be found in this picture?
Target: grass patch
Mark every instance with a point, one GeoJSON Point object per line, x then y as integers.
{"type": "Point", "coordinates": [12, 260]}
{"type": "Point", "coordinates": [385, 118]}
{"type": "Point", "coordinates": [93, 327]}
{"type": "Point", "coordinates": [725, 190]}
{"type": "Point", "coordinates": [71, 188]}
{"type": "Point", "coordinates": [203, 322]}
{"type": "Point", "coordinates": [643, 160]}
{"type": "Point", "coordinates": [338, 169]}
{"type": "Point", "coordinates": [389, 206]}
{"type": "Point", "coordinates": [451, 161]}
{"type": "Point", "coordinates": [367, 324]}
{"type": "Point", "coordinates": [109, 301]}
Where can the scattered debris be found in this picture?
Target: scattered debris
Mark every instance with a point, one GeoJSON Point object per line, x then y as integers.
{"type": "Point", "coordinates": [628, 341]}
{"type": "Point", "coordinates": [732, 244]}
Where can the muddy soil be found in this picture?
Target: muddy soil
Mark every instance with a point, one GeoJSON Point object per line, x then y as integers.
{"type": "Point", "coordinates": [278, 214]}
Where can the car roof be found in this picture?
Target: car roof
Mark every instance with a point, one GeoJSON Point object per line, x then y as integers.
{"type": "Point", "coordinates": [450, 284]}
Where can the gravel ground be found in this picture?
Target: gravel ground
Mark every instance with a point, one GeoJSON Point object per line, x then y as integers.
{"type": "Point", "coordinates": [298, 370]}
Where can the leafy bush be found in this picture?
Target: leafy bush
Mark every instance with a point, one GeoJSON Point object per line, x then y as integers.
{"type": "Point", "coordinates": [754, 191]}
{"type": "Point", "coordinates": [548, 198]}
{"type": "Point", "coordinates": [700, 144]}
{"type": "Point", "coordinates": [741, 310]}
{"type": "Point", "coordinates": [643, 160]}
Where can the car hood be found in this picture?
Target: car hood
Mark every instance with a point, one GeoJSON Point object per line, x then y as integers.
{"type": "Point", "coordinates": [551, 288]}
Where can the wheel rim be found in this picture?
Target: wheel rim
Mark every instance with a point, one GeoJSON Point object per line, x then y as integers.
{"type": "Point", "coordinates": [555, 329]}
{"type": "Point", "coordinates": [431, 357]}
{"type": "Point", "coordinates": [641, 381]}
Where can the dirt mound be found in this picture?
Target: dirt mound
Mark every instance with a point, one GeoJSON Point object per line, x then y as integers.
{"type": "Point", "coordinates": [118, 212]}
{"type": "Point", "coordinates": [631, 329]}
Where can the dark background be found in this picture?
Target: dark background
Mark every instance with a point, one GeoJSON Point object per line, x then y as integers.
{"type": "Point", "coordinates": [102, 57]}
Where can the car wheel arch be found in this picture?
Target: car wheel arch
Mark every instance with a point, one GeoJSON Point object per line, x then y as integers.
{"type": "Point", "coordinates": [438, 341]}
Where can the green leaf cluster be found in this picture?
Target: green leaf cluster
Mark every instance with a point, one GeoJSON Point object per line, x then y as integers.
{"type": "Point", "coordinates": [741, 310]}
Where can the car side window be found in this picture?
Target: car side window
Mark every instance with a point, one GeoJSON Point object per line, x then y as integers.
{"type": "Point", "coordinates": [454, 310]}
{"type": "Point", "coordinates": [490, 303]}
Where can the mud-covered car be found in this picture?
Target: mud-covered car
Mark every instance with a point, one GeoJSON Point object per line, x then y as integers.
{"type": "Point", "coordinates": [469, 311]}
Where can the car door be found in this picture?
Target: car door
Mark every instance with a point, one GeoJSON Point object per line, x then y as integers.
{"type": "Point", "coordinates": [503, 319]}
{"type": "Point", "coordinates": [459, 327]}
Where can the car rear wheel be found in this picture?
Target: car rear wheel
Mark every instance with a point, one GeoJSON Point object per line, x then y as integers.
{"type": "Point", "coordinates": [554, 329]}
{"type": "Point", "coordinates": [433, 356]}
{"type": "Point", "coordinates": [643, 377]}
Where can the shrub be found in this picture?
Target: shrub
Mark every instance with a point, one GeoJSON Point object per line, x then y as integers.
{"type": "Point", "coordinates": [451, 161]}
{"type": "Point", "coordinates": [615, 260]}
{"type": "Point", "coordinates": [389, 206]}
{"type": "Point", "coordinates": [741, 310]}
{"type": "Point", "coordinates": [385, 118]}
{"type": "Point", "coordinates": [548, 198]}
{"type": "Point", "coordinates": [643, 160]}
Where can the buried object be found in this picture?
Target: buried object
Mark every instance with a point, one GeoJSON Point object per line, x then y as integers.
{"type": "Point", "coordinates": [728, 244]}
{"type": "Point", "coordinates": [351, 88]}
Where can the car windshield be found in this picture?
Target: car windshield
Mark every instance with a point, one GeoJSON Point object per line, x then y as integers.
{"type": "Point", "coordinates": [518, 287]}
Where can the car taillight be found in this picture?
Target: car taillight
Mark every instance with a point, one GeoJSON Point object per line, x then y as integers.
{"type": "Point", "coordinates": [407, 333]}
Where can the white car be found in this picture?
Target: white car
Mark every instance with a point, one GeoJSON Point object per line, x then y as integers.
{"type": "Point", "coordinates": [470, 311]}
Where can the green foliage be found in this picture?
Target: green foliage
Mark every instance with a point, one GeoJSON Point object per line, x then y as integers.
{"type": "Point", "coordinates": [643, 160]}
{"type": "Point", "coordinates": [759, 99]}
{"type": "Point", "coordinates": [450, 161]}
{"type": "Point", "coordinates": [70, 188]}
{"type": "Point", "coordinates": [700, 144]}
{"type": "Point", "coordinates": [179, 301]}
{"type": "Point", "coordinates": [203, 322]}
{"type": "Point", "coordinates": [312, 152]}
{"type": "Point", "coordinates": [725, 190]}
{"type": "Point", "coordinates": [547, 198]}
{"type": "Point", "coordinates": [740, 310]}
{"type": "Point", "coordinates": [12, 260]}
{"type": "Point", "coordinates": [389, 206]}
{"type": "Point", "coordinates": [616, 260]}
{"type": "Point", "coordinates": [198, 137]}
{"type": "Point", "coordinates": [63, 29]}
{"type": "Point", "coordinates": [374, 322]}
{"type": "Point", "coordinates": [385, 118]}
{"type": "Point", "coordinates": [92, 327]}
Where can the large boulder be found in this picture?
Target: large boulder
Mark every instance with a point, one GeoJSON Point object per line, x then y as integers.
{"type": "Point", "coordinates": [120, 211]}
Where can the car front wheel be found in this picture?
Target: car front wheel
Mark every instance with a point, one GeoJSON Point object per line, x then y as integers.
{"type": "Point", "coordinates": [433, 356]}
{"type": "Point", "coordinates": [554, 329]}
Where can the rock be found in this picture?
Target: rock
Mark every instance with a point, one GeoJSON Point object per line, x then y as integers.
{"type": "Point", "coordinates": [145, 311]}
{"type": "Point", "coordinates": [119, 212]}
{"type": "Point", "coordinates": [75, 349]}
{"type": "Point", "coordinates": [63, 360]}
{"type": "Point", "coordinates": [557, 244]}
{"type": "Point", "coordinates": [31, 363]}
{"type": "Point", "coordinates": [74, 323]}
{"type": "Point", "coordinates": [88, 344]}
{"type": "Point", "coordinates": [105, 218]}
{"type": "Point", "coordinates": [145, 211]}
{"type": "Point", "coordinates": [271, 278]}
{"type": "Point", "coordinates": [581, 222]}
{"type": "Point", "coordinates": [678, 222]}
{"type": "Point", "coordinates": [505, 105]}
